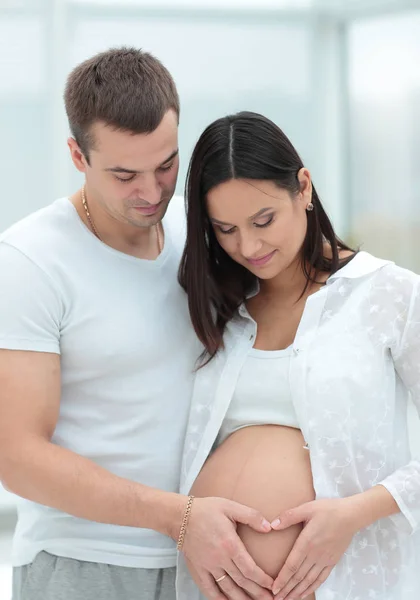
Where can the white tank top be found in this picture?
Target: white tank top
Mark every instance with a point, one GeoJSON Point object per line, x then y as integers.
{"type": "Point", "coordinates": [262, 395]}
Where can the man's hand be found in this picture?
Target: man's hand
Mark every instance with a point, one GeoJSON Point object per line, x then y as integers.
{"type": "Point", "coordinates": [214, 550]}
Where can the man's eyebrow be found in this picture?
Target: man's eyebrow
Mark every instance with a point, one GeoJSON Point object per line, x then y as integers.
{"type": "Point", "coordinates": [121, 170]}
{"type": "Point", "coordinates": [171, 157]}
{"type": "Point", "coordinates": [134, 172]}
{"type": "Point", "coordinates": [258, 214]}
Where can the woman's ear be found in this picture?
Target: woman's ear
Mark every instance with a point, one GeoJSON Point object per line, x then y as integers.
{"type": "Point", "coordinates": [305, 184]}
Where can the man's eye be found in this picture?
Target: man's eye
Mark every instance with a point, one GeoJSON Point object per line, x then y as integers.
{"type": "Point", "coordinates": [124, 179]}
{"type": "Point", "coordinates": [166, 168]}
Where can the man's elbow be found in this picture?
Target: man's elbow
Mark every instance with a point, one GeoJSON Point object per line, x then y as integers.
{"type": "Point", "coordinates": [14, 465]}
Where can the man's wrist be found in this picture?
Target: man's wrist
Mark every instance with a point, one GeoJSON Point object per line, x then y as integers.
{"type": "Point", "coordinates": [171, 510]}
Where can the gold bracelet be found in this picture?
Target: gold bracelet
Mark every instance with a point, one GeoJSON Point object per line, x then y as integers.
{"type": "Point", "coordinates": [184, 523]}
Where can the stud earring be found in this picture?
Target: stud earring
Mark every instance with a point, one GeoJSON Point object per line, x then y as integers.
{"type": "Point", "coordinates": [310, 207]}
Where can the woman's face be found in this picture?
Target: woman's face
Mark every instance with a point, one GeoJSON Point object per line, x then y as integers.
{"type": "Point", "coordinates": [260, 225]}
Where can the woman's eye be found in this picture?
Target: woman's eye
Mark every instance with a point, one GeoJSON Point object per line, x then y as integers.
{"type": "Point", "coordinates": [266, 224]}
{"type": "Point", "coordinates": [227, 231]}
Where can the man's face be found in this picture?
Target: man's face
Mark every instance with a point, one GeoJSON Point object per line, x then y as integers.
{"type": "Point", "coordinates": [133, 176]}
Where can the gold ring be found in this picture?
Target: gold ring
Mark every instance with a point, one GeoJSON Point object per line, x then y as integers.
{"type": "Point", "coordinates": [220, 578]}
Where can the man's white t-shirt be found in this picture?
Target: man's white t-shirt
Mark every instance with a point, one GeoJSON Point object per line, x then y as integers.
{"type": "Point", "coordinates": [128, 351]}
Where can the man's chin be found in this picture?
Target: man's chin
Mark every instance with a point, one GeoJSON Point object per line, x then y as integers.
{"type": "Point", "coordinates": [144, 220]}
{"type": "Point", "coordinates": [163, 207]}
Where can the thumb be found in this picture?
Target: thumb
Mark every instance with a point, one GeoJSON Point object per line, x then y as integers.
{"type": "Point", "coordinates": [249, 516]}
{"type": "Point", "coordinates": [300, 514]}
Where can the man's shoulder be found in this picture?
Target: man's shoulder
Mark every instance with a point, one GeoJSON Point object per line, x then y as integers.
{"type": "Point", "coordinates": [39, 231]}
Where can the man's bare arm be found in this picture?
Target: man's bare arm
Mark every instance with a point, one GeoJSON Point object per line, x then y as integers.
{"type": "Point", "coordinates": [33, 467]}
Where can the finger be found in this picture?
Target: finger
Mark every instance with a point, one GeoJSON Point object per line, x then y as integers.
{"type": "Point", "coordinates": [252, 589]}
{"type": "Point", "coordinates": [292, 565]}
{"type": "Point", "coordinates": [249, 568]}
{"type": "Point", "coordinates": [295, 579]}
{"type": "Point", "coordinates": [249, 516]}
{"type": "Point", "coordinates": [208, 586]}
{"type": "Point", "coordinates": [231, 590]}
{"type": "Point", "coordinates": [300, 514]}
{"type": "Point", "coordinates": [321, 579]}
{"type": "Point", "coordinates": [299, 590]}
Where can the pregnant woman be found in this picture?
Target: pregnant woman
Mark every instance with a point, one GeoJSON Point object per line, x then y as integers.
{"type": "Point", "coordinates": [311, 352]}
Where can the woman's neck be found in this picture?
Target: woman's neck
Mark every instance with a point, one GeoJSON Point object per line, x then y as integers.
{"type": "Point", "coordinates": [288, 285]}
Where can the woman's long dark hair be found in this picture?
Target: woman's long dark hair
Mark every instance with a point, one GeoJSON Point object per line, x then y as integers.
{"type": "Point", "coordinates": [242, 146]}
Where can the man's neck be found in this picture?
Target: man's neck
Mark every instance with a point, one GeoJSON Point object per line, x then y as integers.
{"type": "Point", "coordinates": [140, 242]}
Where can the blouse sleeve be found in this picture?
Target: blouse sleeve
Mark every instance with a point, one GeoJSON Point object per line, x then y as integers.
{"type": "Point", "coordinates": [404, 483]}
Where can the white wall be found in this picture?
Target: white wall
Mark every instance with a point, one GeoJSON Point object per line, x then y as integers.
{"type": "Point", "coordinates": [385, 136]}
{"type": "Point", "coordinates": [286, 69]}
{"type": "Point", "coordinates": [219, 68]}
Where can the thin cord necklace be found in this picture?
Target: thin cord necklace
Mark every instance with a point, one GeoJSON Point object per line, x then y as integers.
{"type": "Point", "coordinates": [95, 231]}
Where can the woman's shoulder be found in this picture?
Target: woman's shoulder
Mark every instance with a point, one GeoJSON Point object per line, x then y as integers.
{"type": "Point", "coordinates": [383, 285]}
{"type": "Point", "coordinates": [397, 278]}
{"type": "Point", "coordinates": [367, 267]}
{"type": "Point", "coordinates": [390, 293]}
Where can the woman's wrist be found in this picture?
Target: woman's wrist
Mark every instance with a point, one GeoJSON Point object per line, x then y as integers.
{"type": "Point", "coordinates": [370, 506]}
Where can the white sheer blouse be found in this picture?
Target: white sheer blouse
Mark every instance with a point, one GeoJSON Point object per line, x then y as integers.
{"type": "Point", "coordinates": [355, 363]}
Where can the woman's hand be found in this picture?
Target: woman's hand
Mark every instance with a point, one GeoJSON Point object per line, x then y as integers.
{"type": "Point", "coordinates": [329, 526]}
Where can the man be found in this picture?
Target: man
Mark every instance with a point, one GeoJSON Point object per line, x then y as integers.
{"type": "Point", "coordinates": [96, 362]}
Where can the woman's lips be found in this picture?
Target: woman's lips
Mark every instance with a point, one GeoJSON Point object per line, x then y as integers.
{"type": "Point", "coordinates": [259, 262]}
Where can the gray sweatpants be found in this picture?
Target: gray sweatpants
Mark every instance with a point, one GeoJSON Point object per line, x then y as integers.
{"type": "Point", "coordinates": [55, 578]}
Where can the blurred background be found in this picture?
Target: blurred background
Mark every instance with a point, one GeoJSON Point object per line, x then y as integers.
{"type": "Point", "coordinates": [340, 77]}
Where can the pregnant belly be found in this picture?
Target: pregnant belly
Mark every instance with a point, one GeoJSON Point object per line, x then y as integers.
{"type": "Point", "coordinates": [266, 468]}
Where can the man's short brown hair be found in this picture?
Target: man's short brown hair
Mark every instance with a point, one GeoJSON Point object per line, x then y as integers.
{"type": "Point", "coordinates": [125, 88]}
